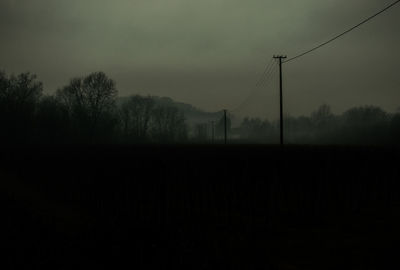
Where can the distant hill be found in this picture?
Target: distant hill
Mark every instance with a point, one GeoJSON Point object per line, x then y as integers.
{"type": "Point", "coordinates": [193, 115]}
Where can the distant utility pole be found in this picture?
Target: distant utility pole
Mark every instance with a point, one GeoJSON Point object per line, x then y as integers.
{"type": "Point", "coordinates": [280, 57]}
{"type": "Point", "coordinates": [225, 125]}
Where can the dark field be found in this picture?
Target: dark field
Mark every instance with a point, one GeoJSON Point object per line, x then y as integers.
{"type": "Point", "coordinates": [200, 207]}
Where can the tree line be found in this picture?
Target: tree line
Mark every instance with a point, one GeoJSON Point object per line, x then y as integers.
{"type": "Point", "coordinates": [365, 125]}
{"type": "Point", "coordinates": [84, 111]}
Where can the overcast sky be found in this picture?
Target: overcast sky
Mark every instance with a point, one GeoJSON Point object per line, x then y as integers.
{"type": "Point", "coordinates": [210, 53]}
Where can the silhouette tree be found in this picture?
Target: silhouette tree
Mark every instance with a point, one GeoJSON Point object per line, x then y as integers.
{"type": "Point", "coordinates": [366, 125]}
{"type": "Point", "coordinates": [304, 130]}
{"type": "Point", "coordinates": [323, 121]}
{"type": "Point", "coordinates": [135, 117]}
{"type": "Point", "coordinates": [395, 128]}
{"type": "Point", "coordinates": [365, 116]}
{"type": "Point", "coordinates": [322, 117]}
{"type": "Point", "coordinates": [201, 132]}
{"type": "Point", "coordinates": [168, 124]}
{"type": "Point", "coordinates": [19, 96]}
{"type": "Point", "coordinates": [52, 121]}
{"type": "Point", "coordinates": [256, 130]}
{"type": "Point", "coordinates": [91, 105]}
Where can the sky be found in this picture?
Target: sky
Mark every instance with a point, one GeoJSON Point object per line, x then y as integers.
{"type": "Point", "coordinates": [211, 53]}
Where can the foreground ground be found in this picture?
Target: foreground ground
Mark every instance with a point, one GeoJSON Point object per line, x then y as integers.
{"type": "Point", "coordinates": [200, 207]}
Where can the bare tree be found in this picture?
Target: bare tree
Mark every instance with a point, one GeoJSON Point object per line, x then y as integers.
{"type": "Point", "coordinates": [90, 101]}
{"type": "Point", "coordinates": [168, 124]}
{"type": "Point", "coordinates": [19, 96]}
{"type": "Point", "coordinates": [52, 121]}
{"type": "Point", "coordinates": [322, 117]}
{"type": "Point", "coordinates": [19, 93]}
{"type": "Point", "coordinates": [135, 117]}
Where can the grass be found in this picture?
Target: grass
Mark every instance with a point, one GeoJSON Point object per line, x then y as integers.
{"type": "Point", "coordinates": [201, 206]}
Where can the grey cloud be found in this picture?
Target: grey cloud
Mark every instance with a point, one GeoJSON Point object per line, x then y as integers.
{"type": "Point", "coordinates": [207, 52]}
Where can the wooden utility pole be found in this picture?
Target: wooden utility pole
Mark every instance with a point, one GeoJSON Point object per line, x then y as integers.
{"type": "Point", "coordinates": [280, 57]}
{"type": "Point", "coordinates": [225, 126]}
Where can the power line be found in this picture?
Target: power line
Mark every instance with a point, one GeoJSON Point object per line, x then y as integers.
{"type": "Point", "coordinates": [342, 34]}
{"type": "Point", "coordinates": [246, 101]}
{"type": "Point", "coordinates": [269, 68]}
{"type": "Point", "coordinates": [266, 70]}
{"type": "Point", "coordinates": [264, 77]}
{"type": "Point", "coordinates": [268, 76]}
{"type": "Point", "coordinates": [268, 81]}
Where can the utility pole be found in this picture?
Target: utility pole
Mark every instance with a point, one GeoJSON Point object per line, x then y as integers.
{"type": "Point", "coordinates": [225, 125]}
{"type": "Point", "coordinates": [280, 57]}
